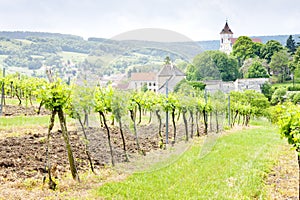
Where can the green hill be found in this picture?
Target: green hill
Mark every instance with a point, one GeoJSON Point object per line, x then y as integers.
{"type": "Point", "coordinates": [32, 50]}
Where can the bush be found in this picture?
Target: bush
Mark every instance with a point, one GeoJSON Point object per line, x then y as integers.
{"type": "Point", "coordinates": [293, 88]}
{"type": "Point", "coordinates": [278, 96]}
{"type": "Point", "coordinates": [296, 98]}
{"type": "Point", "coordinates": [267, 90]}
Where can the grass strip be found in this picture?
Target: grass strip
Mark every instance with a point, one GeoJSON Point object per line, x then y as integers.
{"type": "Point", "coordinates": [234, 169]}
{"type": "Point", "coordinates": [23, 121]}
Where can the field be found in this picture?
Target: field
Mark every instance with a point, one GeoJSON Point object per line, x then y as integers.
{"type": "Point", "coordinates": [73, 56]}
{"type": "Point", "coordinates": [242, 163]}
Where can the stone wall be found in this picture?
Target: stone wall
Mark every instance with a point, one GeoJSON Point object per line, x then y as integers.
{"type": "Point", "coordinates": [239, 85]}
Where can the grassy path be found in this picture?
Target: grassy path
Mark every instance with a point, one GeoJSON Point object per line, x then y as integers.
{"type": "Point", "coordinates": [234, 169]}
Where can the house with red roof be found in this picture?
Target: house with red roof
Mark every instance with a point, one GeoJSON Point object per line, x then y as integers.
{"type": "Point", "coordinates": [227, 40]}
{"type": "Point", "coordinates": [167, 77]}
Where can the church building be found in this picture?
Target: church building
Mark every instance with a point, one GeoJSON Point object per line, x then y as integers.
{"type": "Point", "coordinates": [227, 40]}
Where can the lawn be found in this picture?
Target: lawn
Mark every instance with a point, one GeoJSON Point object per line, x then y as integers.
{"type": "Point", "coordinates": [235, 168]}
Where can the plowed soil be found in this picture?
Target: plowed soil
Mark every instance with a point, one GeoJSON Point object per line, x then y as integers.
{"type": "Point", "coordinates": [25, 156]}
{"type": "Point", "coordinates": [12, 110]}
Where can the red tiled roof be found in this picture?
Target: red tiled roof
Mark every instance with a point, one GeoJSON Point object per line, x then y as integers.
{"type": "Point", "coordinates": [256, 40]}
{"type": "Point", "coordinates": [226, 29]}
{"type": "Point", "coordinates": [143, 76]}
{"type": "Point", "coordinates": [233, 40]}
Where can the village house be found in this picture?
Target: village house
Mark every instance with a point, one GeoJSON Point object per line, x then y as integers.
{"type": "Point", "coordinates": [168, 76]}
{"type": "Point", "coordinates": [138, 80]}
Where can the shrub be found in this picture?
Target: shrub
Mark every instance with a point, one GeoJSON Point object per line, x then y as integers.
{"type": "Point", "coordinates": [293, 88]}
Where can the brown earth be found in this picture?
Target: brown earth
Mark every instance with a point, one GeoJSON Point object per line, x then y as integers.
{"type": "Point", "coordinates": [13, 110]}
{"type": "Point", "coordinates": [283, 180]}
{"type": "Point", "coordinates": [22, 159]}
{"type": "Point", "coordinates": [24, 156]}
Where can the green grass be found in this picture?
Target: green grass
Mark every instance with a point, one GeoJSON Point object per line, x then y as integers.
{"type": "Point", "coordinates": [15, 102]}
{"type": "Point", "coordinates": [285, 84]}
{"type": "Point", "coordinates": [29, 121]}
{"type": "Point", "coordinates": [12, 101]}
{"type": "Point", "coordinates": [23, 121]}
{"type": "Point", "coordinates": [234, 169]}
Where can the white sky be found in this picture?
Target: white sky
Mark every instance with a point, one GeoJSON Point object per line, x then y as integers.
{"type": "Point", "coordinates": [196, 19]}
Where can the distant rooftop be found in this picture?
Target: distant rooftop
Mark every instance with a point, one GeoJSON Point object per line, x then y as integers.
{"type": "Point", "coordinates": [170, 70]}
{"type": "Point", "coordinates": [143, 76]}
{"type": "Point", "coordinates": [233, 40]}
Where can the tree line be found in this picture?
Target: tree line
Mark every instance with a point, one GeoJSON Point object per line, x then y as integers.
{"type": "Point", "coordinates": [249, 59]}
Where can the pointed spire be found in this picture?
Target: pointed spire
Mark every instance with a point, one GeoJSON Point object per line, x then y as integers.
{"type": "Point", "coordinates": [226, 29]}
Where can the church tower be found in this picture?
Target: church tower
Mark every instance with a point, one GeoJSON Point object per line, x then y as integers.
{"type": "Point", "coordinates": [226, 39]}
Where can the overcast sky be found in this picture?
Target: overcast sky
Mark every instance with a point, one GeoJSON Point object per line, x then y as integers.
{"type": "Point", "coordinates": [196, 19]}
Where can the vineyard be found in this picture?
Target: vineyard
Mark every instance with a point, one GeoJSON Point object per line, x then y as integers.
{"type": "Point", "coordinates": [89, 128]}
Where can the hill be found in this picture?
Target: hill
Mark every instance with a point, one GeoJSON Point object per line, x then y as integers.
{"type": "Point", "coordinates": [71, 54]}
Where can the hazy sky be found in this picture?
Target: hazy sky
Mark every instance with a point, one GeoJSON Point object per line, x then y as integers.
{"type": "Point", "coordinates": [196, 19]}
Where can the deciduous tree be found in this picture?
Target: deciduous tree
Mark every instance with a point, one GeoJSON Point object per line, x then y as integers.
{"type": "Point", "coordinates": [257, 70]}
{"type": "Point", "coordinates": [280, 65]}
{"type": "Point", "coordinates": [269, 49]}
{"type": "Point", "coordinates": [243, 49]}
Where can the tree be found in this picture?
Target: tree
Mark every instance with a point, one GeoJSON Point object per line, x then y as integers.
{"type": "Point", "coordinates": [257, 47]}
{"type": "Point", "coordinates": [249, 62]}
{"type": "Point", "coordinates": [211, 65]}
{"type": "Point", "coordinates": [291, 45]}
{"type": "Point", "coordinates": [243, 49]}
{"type": "Point", "coordinates": [167, 60]}
{"type": "Point", "coordinates": [296, 58]}
{"type": "Point", "coordinates": [203, 68]}
{"type": "Point", "coordinates": [280, 65]}
{"type": "Point", "coordinates": [257, 70]}
{"type": "Point", "coordinates": [227, 66]}
{"type": "Point", "coordinates": [269, 49]}
{"type": "Point", "coordinates": [296, 64]}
